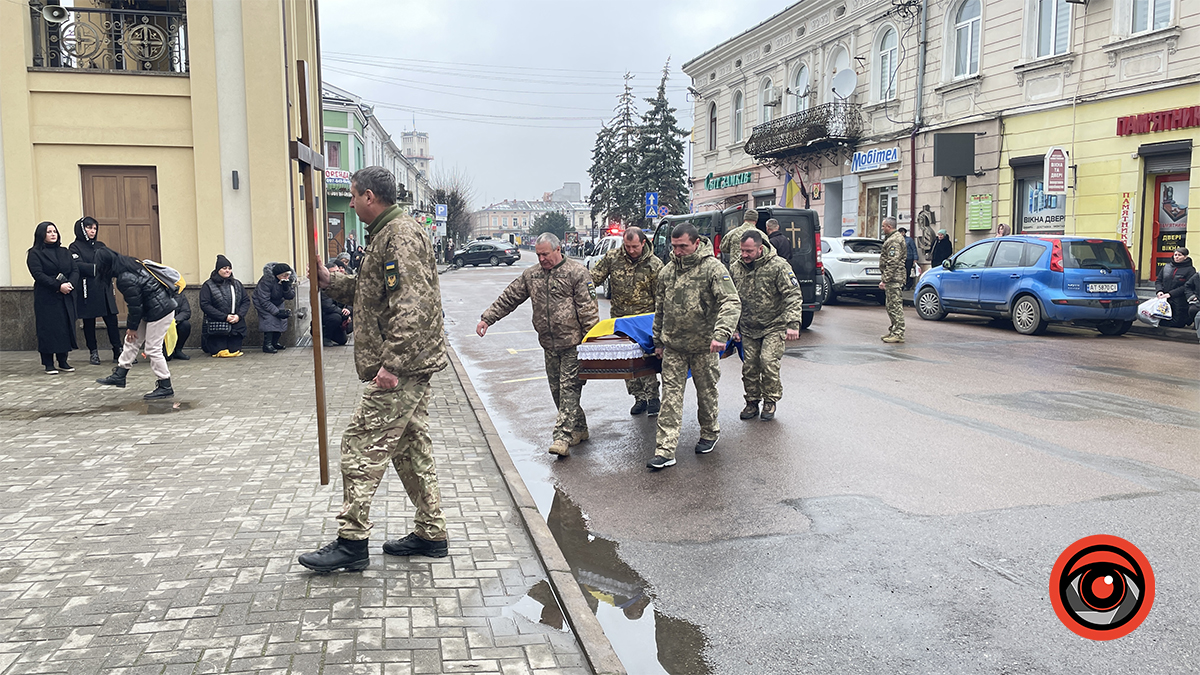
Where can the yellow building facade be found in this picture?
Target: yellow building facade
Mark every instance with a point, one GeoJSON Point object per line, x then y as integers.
{"type": "Point", "coordinates": [1118, 174]}
{"type": "Point", "coordinates": [171, 127]}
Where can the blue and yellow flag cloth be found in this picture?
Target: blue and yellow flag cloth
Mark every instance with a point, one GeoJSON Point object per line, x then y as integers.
{"type": "Point", "coordinates": [640, 329]}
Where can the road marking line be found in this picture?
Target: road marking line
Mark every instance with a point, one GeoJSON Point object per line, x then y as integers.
{"type": "Point", "coordinates": [509, 332]}
{"type": "Point", "coordinates": [524, 379]}
{"type": "Point", "coordinates": [514, 351]}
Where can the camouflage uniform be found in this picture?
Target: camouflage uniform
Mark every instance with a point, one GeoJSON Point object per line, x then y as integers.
{"type": "Point", "coordinates": [631, 289]}
{"type": "Point", "coordinates": [893, 274]}
{"type": "Point", "coordinates": [564, 310]}
{"type": "Point", "coordinates": [771, 304]}
{"type": "Point", "coordinates": [695, 303]}
{"type": "Point", "coordinates": [731, 243]}
{"type": "Point", "coordinates": [396, 294]}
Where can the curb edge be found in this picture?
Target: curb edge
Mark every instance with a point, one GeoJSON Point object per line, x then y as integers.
{"type": "Point", "coordinates": [595, 644]}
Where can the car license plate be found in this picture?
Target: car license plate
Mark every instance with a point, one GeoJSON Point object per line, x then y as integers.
{"type": "Point", "coordinates": [1102, 288]}
{"type": "Point", "coordinates": [875, 271]}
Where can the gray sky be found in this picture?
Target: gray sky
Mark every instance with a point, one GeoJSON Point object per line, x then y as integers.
{"type": "Point", "coordinates": [478, 75]}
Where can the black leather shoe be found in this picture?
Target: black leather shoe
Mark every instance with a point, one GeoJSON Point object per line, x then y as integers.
{"type": "Point", "coordinates": [337, 555]}
{"type": "Point", "coordinates": [117, 379]}
{"type": "Point", "coordinates": [638, 408]}
{"type": "Point", "coordinates": [270, 349]}
{"type": "Point", "coordinates": [181, 356]}
{"type": "Point", "coordinates": [414, 545]}
{"type": "Point", "coordinates": [280, 346]}
{"type": "Point", "coordinates": [653, 407]}
{"type": "Point", "coordinates": [162, 389]}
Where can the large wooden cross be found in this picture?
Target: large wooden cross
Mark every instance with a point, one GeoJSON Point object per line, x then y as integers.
{"type": "Point", "coordinates": [310, 161]}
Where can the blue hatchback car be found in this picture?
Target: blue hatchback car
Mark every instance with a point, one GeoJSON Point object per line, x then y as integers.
{"type": "Point", "coordinates": [1034, 280]}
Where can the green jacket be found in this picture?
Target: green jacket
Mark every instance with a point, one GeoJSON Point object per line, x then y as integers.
{"type": "Point", "coordinates": [891, 259]}
{"type": "Point", "coordinates": [564, 303]}
{"type": "Point", "coordinates": [397, 301]}
{"type": "Point", "coordinates": [694, 302]}
{"type": "Point", "coordinates": [770, 293]}
{"type": "Point", "coordinates": [630, 282]}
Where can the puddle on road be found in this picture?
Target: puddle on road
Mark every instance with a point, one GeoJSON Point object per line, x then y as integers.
{"type": "Point", "coordinates": [849, 356]}
{"type": "Point", "coordinates": [141, 407]}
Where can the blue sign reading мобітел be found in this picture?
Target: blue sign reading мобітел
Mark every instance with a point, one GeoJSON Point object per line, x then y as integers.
{"type": "Point", "coordinates": [874, 159]}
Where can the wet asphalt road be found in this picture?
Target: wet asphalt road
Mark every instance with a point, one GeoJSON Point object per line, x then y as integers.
{"type": "Point", "coordinates": [901, 514]}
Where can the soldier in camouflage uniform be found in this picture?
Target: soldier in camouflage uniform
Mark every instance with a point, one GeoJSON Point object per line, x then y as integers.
{"type": "Point", "coordinates": [631, 271]}
{"type": "Point", "coordinates": [893, 274]}
{"type": "Point", "coordinates": [771, 311]}
{"type": "Point", "coordinates": [564, 310]}
{"type": "Point", "coordinates": [733, 238]}
{"type": "Point", "coordinates": [696, 310]}
{"type": "Point", "coordinates": [399, 346]}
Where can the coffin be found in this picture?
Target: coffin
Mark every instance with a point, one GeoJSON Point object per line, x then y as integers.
{"type": "Point", "coordinates": [615, 357]}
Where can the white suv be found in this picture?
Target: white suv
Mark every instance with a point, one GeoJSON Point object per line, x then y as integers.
{"type": "Point", "coordinates": [851, 267]}
{"type": "Point", "coordinates": [605, 245]}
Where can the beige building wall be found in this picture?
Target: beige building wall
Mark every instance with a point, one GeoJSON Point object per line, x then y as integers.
{"type": "Point", "coordinates": [55, 120]}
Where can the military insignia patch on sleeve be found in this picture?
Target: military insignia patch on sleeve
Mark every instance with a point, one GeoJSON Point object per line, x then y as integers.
{"type": "Point", "coordinates": [592, 290]}
{"type": "Point", "coordinates": [391, 275]}
{"type": "Point", "coordinates": [792, 279]}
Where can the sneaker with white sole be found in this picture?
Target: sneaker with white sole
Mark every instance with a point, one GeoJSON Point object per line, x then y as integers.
{"type": "Point", "coordinates": [659, 462]}
{"type": "Point", "coordinates": [705, 446]}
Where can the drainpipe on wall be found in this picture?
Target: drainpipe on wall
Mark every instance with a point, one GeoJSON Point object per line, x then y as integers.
{"type": "Point", "coordinates": [912, 139]}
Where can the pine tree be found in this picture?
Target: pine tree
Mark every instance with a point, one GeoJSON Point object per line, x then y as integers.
{"type": "Point", "coordinates": [623, 181]}
{"type": "Point", "coordinates": [602, 198]}
{"type": "Point", "coordinates": [660, 152]}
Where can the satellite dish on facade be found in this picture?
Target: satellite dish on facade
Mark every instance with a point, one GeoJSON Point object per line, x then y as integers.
{"type": "Point", "coordinates": [844, 82]}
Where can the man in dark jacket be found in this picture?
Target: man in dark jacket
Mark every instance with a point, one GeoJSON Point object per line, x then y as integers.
{"type": "Point", "coordinates": [778, 240]}
{"type": "Point", "coordinates": [183, 326]}
{"type": "Point", "coordinates": [151, 308]}
{"type": "Point", "coordinates": [910, 258]}
{"type": "Point", "coordinates": [1170, 284]}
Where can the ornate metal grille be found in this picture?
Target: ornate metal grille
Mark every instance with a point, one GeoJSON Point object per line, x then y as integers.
{"type": "Point", "coordinates": [815, 128]}
{"type": "Point", "coordinates": [99, 39]}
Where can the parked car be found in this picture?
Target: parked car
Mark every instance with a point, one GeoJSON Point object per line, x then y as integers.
{"type": "Point", "coordinates": [1034, 281]}
{"type": "Point", "coordinates": [605, 245]}
{"type": "Point", "coordinates": [491, 252]}
{"type": "Point", "coordinates": [802, 225]}
{"type": "Point", "coordinates": [851, 267]}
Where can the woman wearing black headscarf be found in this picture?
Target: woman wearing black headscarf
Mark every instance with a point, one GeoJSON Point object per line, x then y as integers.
{"type": "Point", "coordinates": [94, 296]}
{"type": "Point", "coordinates": [55, 275]}
{"type": "Point", "coordinates": [224, 301]}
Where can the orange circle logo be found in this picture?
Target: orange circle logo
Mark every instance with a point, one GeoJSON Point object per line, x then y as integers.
{"type": "Point", "coordinates": [1102, 587]}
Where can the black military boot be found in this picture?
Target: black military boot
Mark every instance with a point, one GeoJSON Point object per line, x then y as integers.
{"type": "Point", "coordinates": [638, 408]}
{"type": "Point", "coordinates": [653, 407]}
{"type": "Point", "coordinates": [750, 411]}
{"type": "Point", "coordinates": [336, 555]}
{"type": "Point", "coordinates": [162, 390]}
{"type": "Point", "coordinates": [768, 412]}
{"type": "Point", "coordinates": [117, 379]}
{"type": "Point", "coordinates": [414, 545]}
{"type": "Point", "coordinates": [94, 357]}
{"type": "Point", "coordinates": [270, 348]}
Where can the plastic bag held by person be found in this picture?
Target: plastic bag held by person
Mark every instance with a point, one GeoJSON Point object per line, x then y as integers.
{"type": "Point", "coordinates": [1152, 310]}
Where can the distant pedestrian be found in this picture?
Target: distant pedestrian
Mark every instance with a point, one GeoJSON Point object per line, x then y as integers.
{"type": "Point", "coordinates": [335, 317]}
{"type": "Point", "coordinates": [353, 250]}
{"type": "Point", "coordinates": [772, 306]}
{"type": "Point", "coordinates": [631, 271]}
{"type": "Point", "coordinates": [270, 293]}
{"type": "Point", "coordinates": [564, 310]}
{"type": "Point", "coordinates": [1191, 290]}
{"type": "Point", "coordinates": [696, 309]}
{"type": "Point", "coordinates": [183, 326]}
{"type": "Point", "coordinates": [94, 297]}
{"type": "Point", "coordinates": [55, 275]}
{"type": "Point", "coordinates": [941, 249]}
{"type": "Point", "coordinates": [778, 240]}
{"type": "Point", "coordinates": [224, 302]}
{"type": "Point", "coordinates": [150, 308]}
{"type": "Point", "coordinates": [1002, 230]}
{"type": "Point", "coordinates": [730, 242]}
{"type": "Point", "coordinates": [910, 258]}
{"type": "Point", "coordinates": [1169, 285]}
{"type": "Point", "coordinates": [397, 295]}
{"type": "Point", "coordinates": [892, 273]}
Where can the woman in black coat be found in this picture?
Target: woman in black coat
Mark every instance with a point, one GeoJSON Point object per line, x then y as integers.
{"type": "Point", "coordinates": [223, 300]}
{"type": "Point", "coordinates": [1170, 284]}
{"type": "Point", "coordinates": [94, 296]}
{"type": "Point", "coordinates": [271, 291]}
{"type": "Point", "coordinates": [55, 276]}
{"type": "Point", "coordinates": [941, 249]}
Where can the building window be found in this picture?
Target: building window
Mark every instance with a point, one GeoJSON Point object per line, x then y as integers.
{"type": "Point", "coordinates": [333, 154]}
{"type": "Point", "coordinates": [712, 126]}
{"type": "Point", "coordinates": [800, 89]}
{"type": "Point", "coordinates": [966, 39]}
{"type": "Point", "coordinates": [839, 60]}
{"type": "Point", "coordinates": [1053, 27]}
{"type": "Point", "coordinates": [737, 116]}
{"type": "Point", "coordinates": [1151, 14]}
{"type": "Point", "coordinates": [887, 64]}
{"type": "Point", "coordinates": [766, 101]}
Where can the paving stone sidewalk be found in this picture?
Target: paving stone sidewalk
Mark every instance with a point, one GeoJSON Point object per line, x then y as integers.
{"type": "Point", "coordinates": [162, 538]}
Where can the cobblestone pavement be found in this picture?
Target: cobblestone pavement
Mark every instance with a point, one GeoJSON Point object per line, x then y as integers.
{"type": "Point", "coordinates": [162, 538]}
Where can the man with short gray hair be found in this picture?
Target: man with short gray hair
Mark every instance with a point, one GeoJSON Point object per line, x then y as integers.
{"type": "Point", "coordinates": [564, 310]}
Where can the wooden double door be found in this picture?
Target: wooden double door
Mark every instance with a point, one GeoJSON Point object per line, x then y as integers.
{"type": "Point", "coordinates": [124, 200]}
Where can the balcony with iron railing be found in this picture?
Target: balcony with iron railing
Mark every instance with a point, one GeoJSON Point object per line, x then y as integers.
{"type": "Point", "coordinates": [122, 39]}
{"type": "Point", "coordinates": [825, 125]}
